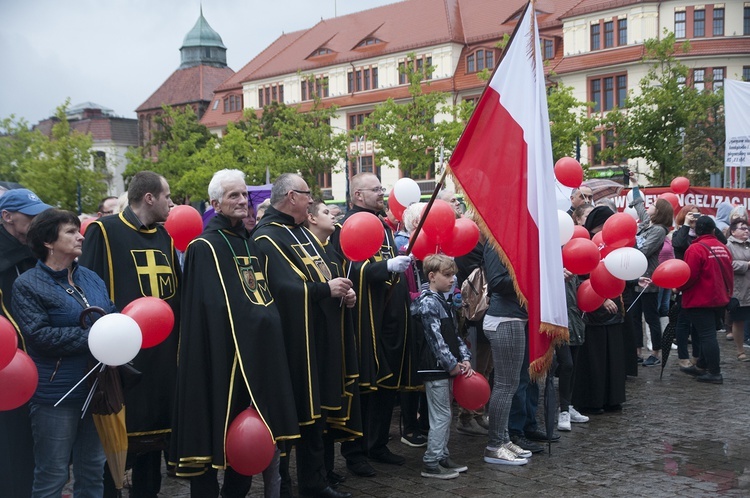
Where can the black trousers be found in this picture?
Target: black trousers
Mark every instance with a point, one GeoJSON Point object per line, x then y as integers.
{"type": "Point", "coordinates": [206, 485]}
{"type": "Point", "coordinates": [16, 452]}
{"type": "Point", "coordinates": [311, 473]}
{"type": "Point", "coordinates": [377, 410]}
{"type": "Point", "coordinates": [146, 476]}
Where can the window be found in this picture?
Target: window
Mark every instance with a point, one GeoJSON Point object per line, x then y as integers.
{"type": "Point", "coordinates": [606, 139]}
{"type": "Point", "coordinates": [718, 78]}
{"type": "Point", "coordinates": [699, 76]}
{"type": "Point", "coordinates": [608, 92]}
{"type": "Point", "coordinates": [321, 51]}
{"type": "Point", "coordinates": [746, 24]}
{"type": "Point", "coordinates": [595, 30]}
{"type": "Point", "coordinates": [401, 73]}
{"type": "Point", "coordinates": [746, 73]}
{"type": "Point", "coordinates": [233, 103]}
{"type": "Point", "coordinates": [368, 41]}
{"type": "Point", "coordinates": [548, 49]}
{"type": "Point", "coordinates": [478, 60]}
{"type": "Point", "coordinates": [270, 93]}
{"type": "Point", "coordinates": [216, 105]}
{"type": "Point", "coordinates": [622, 31]}
{"type": "Point", "coordinates": [609, 34]}
{"type": "Point", "coordinates": [314, 87]}
{"type": "Point", "coordinates": [357, 119]}
{"type": "Point", "coordinates": [699, 23]}
{"type": "Point", "coordinates": [679, 24]}
{"type": "Point", "coordinates": [420, 63]}
{"type": "Point", "coordinates": [362, 79]}
{"type": "Point", "coordinates": [718, 22]}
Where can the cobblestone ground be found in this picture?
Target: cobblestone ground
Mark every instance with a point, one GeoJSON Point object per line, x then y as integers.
{"type": "Point", "coordinates": [674, 437]}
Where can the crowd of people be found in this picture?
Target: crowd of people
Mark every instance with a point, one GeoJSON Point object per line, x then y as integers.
{"type": "Point", "coordinates": [270, 314]}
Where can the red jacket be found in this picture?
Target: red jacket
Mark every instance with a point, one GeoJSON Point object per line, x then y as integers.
{"type": "Point", "coordinates": [711, 276]}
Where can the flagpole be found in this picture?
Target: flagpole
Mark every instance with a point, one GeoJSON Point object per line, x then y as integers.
{"type": "Point", "coordinates": [438, 186]}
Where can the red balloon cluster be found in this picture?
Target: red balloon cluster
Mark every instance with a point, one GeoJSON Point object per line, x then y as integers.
{"type": "Point", "coordinates": [8, 342]}
{"type": "Point", "coordinates": [588, 300]}
{"type": "Point", "coordinates": [361, 236]}
{"type": "Point", "coordinates": [568, 171]}
{"type": "Point", "coordinates": [619, 230]}
{"type": "Point", "coordinates": [463, 239]}
{"type": "Point", "coordinates": [604, 283]}
{"type": "Point", "coordinates": [184, 223]}
{"type": "Point", "coordinates": [396, 207]}
{"type": "Point", "coordinates": [671, 274]}
{"type": "Point", "coordinates": [472, 392]}
{"type": "Point", "coordinates": [249, 445]}
{"type": "Point", "coordinates": [580, 232]}
{"type": "Point", "coordinates": [18, 373]}
{"type": "Point", "coordinates": [155, 318]}
{"type": "Point", "coordinates": [580, 256]}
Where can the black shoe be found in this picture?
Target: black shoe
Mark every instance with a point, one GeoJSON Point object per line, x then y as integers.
{"type": "Point", "coordinates": [693, 370]}
{"type": "Point", "coordinates": [540, 436]}
{"type": "Point", "coordinates": [334, 479]}
{"type": "Point", "coordinates": [591, 411]}
{"type": "Point", "coordinates": [387, 457]}
{"type": "Point", "coordinates": [710, 378]}
{"type": "Point", "coordinates": [613, 408]}
{"type": "Point", "coordinates": [329, 492]}
{"type": "Point", "coordinates": [361, 469]}
{"type": "Point", "coordinates": [526, 444]}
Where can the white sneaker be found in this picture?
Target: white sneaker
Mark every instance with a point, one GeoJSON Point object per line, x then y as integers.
{"type": "Point", "coordinates": [563, 421]}
{"type": "Point", "coordinates": [576, 417]}
{"type": "Point", "coordinates": [503, 456]}
{"type": "Point", "coordinates": [517, 450]}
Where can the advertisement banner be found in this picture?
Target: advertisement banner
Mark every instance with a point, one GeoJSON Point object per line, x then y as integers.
{"type": "Point", "coordinates": [737, 123]}
{"type": "Point", "coordinates": [705, 198]}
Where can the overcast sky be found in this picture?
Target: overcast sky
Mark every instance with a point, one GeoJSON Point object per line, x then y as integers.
{"type": "Point", "coordinates": [116, 53]}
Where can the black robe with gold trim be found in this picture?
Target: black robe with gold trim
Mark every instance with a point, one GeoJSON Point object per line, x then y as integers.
{"type": "Point", "coordinates": [231, 349]}
{"type": "Point", "coordinates": [137, 261]}
{"type": "Point", "coordinates": [382, 320]}
{"type": "Point", "coordinates": [298, 270]}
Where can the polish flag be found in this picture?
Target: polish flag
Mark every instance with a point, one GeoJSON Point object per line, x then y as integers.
{"type": "Point", "coordinates": [503, 163]}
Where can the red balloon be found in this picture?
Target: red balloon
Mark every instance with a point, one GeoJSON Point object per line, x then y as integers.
{"type": "Point", "coordinates": [472, 392]}
{"type": "Point", "coordinates": [249, 444]}
{"type": "Point", "coordinates": [618, 230]}
{"type": "Point", "coordinates": [597, 239]}
{"type": "Point", "coordinates": [464, 239]}
{"type": "Point", "coordinates": [85, 224]}
{"type": "Point", "coordinates": [580, 256]}
{"type": "Point", "coordinates": [361, 236]}
{"type": "Point", "coordinates": [396, 208]}
{"type": "Point", "coordinates": [568, 171]}
{"type": "Point", "coordinates": [605, 250]}
{"type": "Point", "coordinates": [184, 223]}
{"type": "Point", "coordinates": [18, 381]}
{"type": "Point", "coordinates": [588, 299]}
{"type": "Point", "coordinates": [8, 342]}
{"type": "Point", "coordinates": [604, 283]}
{"type": "Point", "coordinates": [672, 199]}
{"type": "Point", "coordinates": [423, 246]}
{"type": "Point", "coordinates": [580, 232]}
{"type": "Point", "coordinates": [680, 185]}
{"type": "Point", "coordinates": [155, 318]}
{"type": "Point", "coordinates": [671, 274]}
{"type": "Point", "coordinates": [440, 221]}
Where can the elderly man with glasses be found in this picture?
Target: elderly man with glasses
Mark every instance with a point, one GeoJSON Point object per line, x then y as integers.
{"type": "Point", "coordinates": [580, 196]}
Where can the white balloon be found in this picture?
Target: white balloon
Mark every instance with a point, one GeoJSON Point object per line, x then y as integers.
{"type": "Point", "coordinates": [632, 212]}
{"type": "Point", "coordinates": [115, 339]}
{"type": "Point", "coordinates": [626, 263]}
{"type": "Point", "coordinates": [565, 225]}
{"type": "Point", "coordinates": [406, 191]}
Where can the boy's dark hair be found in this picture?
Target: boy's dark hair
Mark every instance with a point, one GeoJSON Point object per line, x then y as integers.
{"type": "Point", "coordinates": [45, 229]}
{"type": "Point", "coordinates": [439, 263]}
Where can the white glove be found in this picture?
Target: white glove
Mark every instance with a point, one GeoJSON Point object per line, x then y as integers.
{"type": "Point", "coordinates": [399, 264]}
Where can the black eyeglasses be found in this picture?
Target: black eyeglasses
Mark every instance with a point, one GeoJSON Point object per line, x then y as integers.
{"type": "Point", "coordinates": [374, 190]}
{"type": "Point", "coordinates": [303, 192]}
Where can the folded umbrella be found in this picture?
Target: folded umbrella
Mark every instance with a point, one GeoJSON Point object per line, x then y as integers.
{"type": "Point", "coordinates": [667, 335]}
{"type": "Point", "coordinates": [602, 189]}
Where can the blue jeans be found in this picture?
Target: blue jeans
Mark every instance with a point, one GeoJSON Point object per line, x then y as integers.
{"type": "Point", "coordinates": [525, 401]}
{"type": "Point", "coordinates": [664, 297]}
{"type": "Point", "coordinates": [439, 398]}
{"type": "Point", "coordinates": [60, 433]}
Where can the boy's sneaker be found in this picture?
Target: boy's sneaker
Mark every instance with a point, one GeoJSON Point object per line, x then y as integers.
{"type": "Point", "coordinates": [517, 450]}
{"type": "Point", "coordinates": [503, 456]}
{"type": "Point", "coordinates": [526, 444]}
{"type": "Point", "coordinates": [449, 464]}
{"type": "Point", "coordinates": [470, 428]}
{"type": "Point", "coordinates": [563, 421]}
{"type": "Point", "coordinates": [651, 361]}
{"type": "Point", "coordinates": [438, 472]}
{"type": "Point", "coordinates": [415, 440]}
{"type": "Point", "coordinates": [576, 417]}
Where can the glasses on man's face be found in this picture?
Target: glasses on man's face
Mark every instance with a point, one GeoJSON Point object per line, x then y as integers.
{"type": "Point", "coordinates": [104, 213]}
{"type": "Point", "coordinates": [586, 197]}
{"type": "Point", "coordinates": [743, 228]}
{"type": "Point", "coordinates": [374, 190]}
{"type": "Point", "coordinates": [303, 192]}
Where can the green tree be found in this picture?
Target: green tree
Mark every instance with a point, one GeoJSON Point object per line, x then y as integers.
{"type": "Point", "coordinates": [658, 117]}
{"type": "Point", "coordinates": [705, 140]}
{"type": "Point", "coordinates": [568, 121]}
{"type": "Point", "coordinates": [16, 140]}
{"type": "Point", "coordinates": [59, 169]}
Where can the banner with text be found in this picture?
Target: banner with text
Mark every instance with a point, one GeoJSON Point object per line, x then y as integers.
{"type": "Point", "coordinates": [705, 198]}
{"type": "Point", "coordinates": [737, 123]}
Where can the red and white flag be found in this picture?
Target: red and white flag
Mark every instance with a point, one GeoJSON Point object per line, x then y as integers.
{"type": "Point", "coordinates": [503, 162]}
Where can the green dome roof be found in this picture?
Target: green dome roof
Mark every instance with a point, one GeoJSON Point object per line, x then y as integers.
{"type": "Point", "coordinates": [202, 35]}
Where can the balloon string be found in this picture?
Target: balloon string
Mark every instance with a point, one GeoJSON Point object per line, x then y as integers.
{"type": "Point", "coordinates": [79, 383]}
{"type": "Point", "coordinates": [348, 272]}
{"type": "Point", "coordinates": [91, 393]}
{"type": "Point", "coordinates": [634, 300]}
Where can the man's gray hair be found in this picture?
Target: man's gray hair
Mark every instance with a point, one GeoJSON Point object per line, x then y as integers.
{"type": "Point", "coordinates": [215, 188]}
{"type": "Point", "coordinates": [281, 187]}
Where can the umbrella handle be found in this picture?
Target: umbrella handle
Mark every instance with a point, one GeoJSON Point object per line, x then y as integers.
{"type": "Point", "coordinates": [90, 311]}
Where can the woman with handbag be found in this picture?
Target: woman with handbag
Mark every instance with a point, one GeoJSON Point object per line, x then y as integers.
{"type": "Point", "coordinates": [48, 300]}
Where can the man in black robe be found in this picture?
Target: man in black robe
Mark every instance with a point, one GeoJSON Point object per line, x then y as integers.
{"type": "Point", "coordinates": [231, 346]}
{"type": "Point", "coordinates": [17, 208]}
{"type": "Point", "coordinates": [381, 327]}
{"type": "Point", "coordinates": [134, 255]}
{"type": "Point", "coordinates": [309, 300]}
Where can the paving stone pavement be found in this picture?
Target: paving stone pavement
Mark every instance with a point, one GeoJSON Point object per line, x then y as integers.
{"type": "Point", "coordinates": [674, 437]}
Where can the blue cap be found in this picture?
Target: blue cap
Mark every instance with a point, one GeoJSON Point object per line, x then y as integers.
{"type": "Point", "coordinates": [22, 200]}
